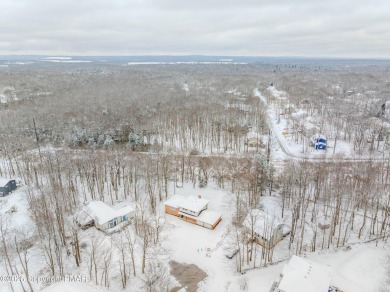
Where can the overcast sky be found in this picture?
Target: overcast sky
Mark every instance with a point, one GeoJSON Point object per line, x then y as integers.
{"type": "Point", "coordinates": [342, 28]}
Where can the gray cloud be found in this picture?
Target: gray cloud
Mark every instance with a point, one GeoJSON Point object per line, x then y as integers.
{"type": "Point", "coordinates": [350, 28]}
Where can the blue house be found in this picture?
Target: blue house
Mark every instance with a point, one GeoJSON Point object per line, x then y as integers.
{"type": "Point", "coordinates": [6, 186]}
{"type": "Point", "coordinates": [319, 142]}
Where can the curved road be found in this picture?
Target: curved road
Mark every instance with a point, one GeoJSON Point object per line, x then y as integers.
{"type": "Point", "coordinates": [281, 142]}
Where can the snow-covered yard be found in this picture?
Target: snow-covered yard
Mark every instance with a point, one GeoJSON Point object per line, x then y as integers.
{"type": "Point", "coordinates": [16, 206]}
{"type": "Point", "coordinates": [194, 244]}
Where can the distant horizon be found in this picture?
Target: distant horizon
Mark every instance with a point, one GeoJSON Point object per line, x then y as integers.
{"type": "Point", "coordinates": [195, 55]}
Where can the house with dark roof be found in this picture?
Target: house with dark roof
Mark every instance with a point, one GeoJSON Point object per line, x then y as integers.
{"type": "Point", "coordinates": [7, 186]}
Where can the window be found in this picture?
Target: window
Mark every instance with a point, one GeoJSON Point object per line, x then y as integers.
{"type": "Point", "coordinates": [112, 223]}
{"type": "Point", "coordinates": [124, 218]}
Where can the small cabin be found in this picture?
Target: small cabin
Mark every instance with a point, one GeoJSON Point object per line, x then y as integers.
{"type": "Point", "coordinates": [7, 186]}
{"type": "Point", "coordinates": [103, 217]}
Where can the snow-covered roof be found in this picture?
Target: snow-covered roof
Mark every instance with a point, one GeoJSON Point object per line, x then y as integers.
{"type": "Point", "coordinates": [3, 181]}
{"type": "Point", "coordinates": [191, 203]}
{"type": "Point", "coordinates": [124, 211]}
{"type": "Point", "coordinates": [83, 218]}
{"type": "Point", "coordinates": [194, 204]}
{"type": "Point", "coordinates": [301, 275]}
{"type": "Point", "coordinates": [322, 144]}
{"type": "Point", "coordinates": [100, 213]}
{"type": "Point", "coordinates": [261, 222]}
{"type": "Point", "coordinates": [174, 201]}
{"type": "Point", "coordinates": [207, 216]}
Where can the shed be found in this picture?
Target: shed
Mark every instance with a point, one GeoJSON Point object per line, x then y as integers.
{"type": "Point", "coordinates": [7, 186]}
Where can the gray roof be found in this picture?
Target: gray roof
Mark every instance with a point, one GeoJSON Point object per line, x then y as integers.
{"type": "Point", "coordinates": [3, 181]}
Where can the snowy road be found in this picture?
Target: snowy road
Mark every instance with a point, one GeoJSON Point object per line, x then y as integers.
{"type": "Point", "coordinates": [295, 156]}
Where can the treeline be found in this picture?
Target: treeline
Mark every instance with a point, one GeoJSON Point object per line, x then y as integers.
{"type": "Point", "coordinates": [180, 107]}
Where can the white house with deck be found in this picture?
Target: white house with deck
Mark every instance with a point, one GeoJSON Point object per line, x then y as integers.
{"type": "Point", "coordinates": [104, 217]}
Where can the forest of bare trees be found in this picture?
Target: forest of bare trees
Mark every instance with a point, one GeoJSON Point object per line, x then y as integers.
{"type": "Point", "coordinates": [115, 134]}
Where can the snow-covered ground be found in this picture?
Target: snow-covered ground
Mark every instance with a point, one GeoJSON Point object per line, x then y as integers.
{"type": "Point", "coordinates": [73, 287]}
{"type": "Point", "coordinates": [17, 201]}
{"type": "Point", "coordinates": [197, 245]}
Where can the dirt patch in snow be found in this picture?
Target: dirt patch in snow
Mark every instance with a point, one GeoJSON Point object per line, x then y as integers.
{"type": "Point", "coordinates": [187, 275]}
